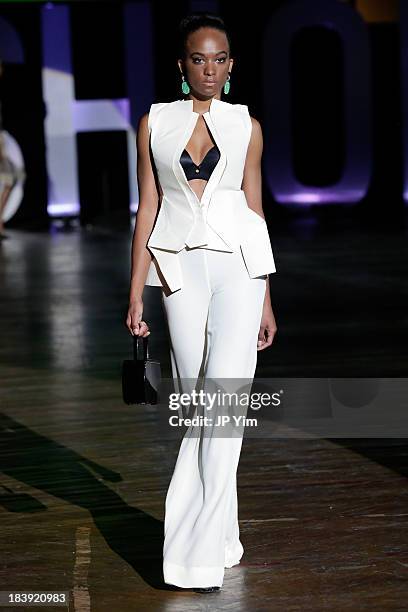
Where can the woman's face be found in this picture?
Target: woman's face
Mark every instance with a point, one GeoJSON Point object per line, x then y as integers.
{"type": "Point", "coordinates": [207, 62]}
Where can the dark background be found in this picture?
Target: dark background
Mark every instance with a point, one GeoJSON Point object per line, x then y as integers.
{"type": "Point", "coordinates": [317, 110]}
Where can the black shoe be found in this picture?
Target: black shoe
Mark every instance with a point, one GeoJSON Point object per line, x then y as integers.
{"type": "Point", "coordinates": [207, 589]}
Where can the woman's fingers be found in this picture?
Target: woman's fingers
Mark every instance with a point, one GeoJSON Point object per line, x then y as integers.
{"type": "Point", "coordinates": [141, 329]}
{"type": "Point", "coordinates": [134, 321]}
{"type": "Point", "coordinates": [137, 328]}
{"type": "Point", "coordinates": [261, 338]}
{"type": "Point", "coordinates": [265, 338]}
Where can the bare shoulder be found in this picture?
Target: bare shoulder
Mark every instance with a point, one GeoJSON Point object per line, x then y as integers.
{"type": "Point", "coordinates": [143, 127]}
{"type": "Point", "coordinates": [256, 126]}
{"type": "Point", "coordinates": [142, 133]}
{"type": "Point", "coordinates": [144, 120]}
{"type": "Point", "coordinates": [256, 134]}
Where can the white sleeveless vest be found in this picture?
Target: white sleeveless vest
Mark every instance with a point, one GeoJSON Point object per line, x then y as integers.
{"type": "Point", "coordinates": [222, 219]}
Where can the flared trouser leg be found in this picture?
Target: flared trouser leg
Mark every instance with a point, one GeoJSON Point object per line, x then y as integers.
{"type": "Point", "coordinates": [213, 324]}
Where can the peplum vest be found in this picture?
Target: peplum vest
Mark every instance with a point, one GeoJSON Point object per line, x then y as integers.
{"type": "Point", "coordinates": [221, 219]}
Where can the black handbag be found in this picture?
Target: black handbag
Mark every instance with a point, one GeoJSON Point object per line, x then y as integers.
{"type": "Point", "coordinates": [140, 377]}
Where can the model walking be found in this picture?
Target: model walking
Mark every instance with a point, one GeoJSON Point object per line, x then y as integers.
{"type": "Point", "coordinates": [211, 257]}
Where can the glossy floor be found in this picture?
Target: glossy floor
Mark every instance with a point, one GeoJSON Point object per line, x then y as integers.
{"type": "Point", "coordinates": [84, 477]}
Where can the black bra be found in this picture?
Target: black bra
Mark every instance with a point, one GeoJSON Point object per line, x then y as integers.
{"type": "Point", "coordinates": [203, 170]}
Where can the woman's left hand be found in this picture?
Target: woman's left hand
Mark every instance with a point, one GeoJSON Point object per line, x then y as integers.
{"type": "Point", "coordinates": [268, 327]}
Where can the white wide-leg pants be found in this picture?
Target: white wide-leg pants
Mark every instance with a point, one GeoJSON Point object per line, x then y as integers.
{"type": "Point", "coordinates": [213, 323]}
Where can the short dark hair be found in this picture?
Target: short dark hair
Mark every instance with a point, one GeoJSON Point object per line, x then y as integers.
{"type": "Point", "coordinates": [194, 21]}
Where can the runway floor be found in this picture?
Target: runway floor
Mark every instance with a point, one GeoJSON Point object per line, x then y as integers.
{"type": "Point", "coordinates": [323, 522]}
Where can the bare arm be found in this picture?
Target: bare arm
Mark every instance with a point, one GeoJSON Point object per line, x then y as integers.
{"type": "Point", "coordinates": [145, 216]}
{"type": "Point", "coordinates": [252, 181]}
{"type": "Point", "coordinates": [146, 213]}
{"type": "Point", "coordinates": [252, 186]}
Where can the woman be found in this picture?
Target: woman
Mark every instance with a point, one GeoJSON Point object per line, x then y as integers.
{"type": "Point", "coordinates": [211, 256]}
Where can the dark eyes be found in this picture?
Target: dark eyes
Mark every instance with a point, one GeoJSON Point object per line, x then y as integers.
{"type": "Point", "coordinates": [222, 59]}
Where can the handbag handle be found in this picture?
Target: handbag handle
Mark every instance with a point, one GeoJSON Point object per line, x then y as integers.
{"type": "Point", "coordinates": [136, 346]}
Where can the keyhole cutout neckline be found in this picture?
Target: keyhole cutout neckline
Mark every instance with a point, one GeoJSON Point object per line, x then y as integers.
{"type": "Point", "coordinates": [214, 146]}
{"type": "Point", "coordinates": [207, 117]}
{"type": "Point", "coordinates": [203, 170]}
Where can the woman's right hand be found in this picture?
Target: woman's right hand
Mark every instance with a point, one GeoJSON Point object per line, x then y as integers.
{"type": "Point", "coordinates": [134, 322]}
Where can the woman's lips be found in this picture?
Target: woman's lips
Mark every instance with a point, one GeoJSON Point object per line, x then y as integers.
{"type": "Point", "coordinates": [210, 82]}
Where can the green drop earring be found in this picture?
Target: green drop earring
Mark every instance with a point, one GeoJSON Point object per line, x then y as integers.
{"type": "Point", "coordinates": [184, 86]}
{"type": "Point", "coordinates": [227, 85]}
